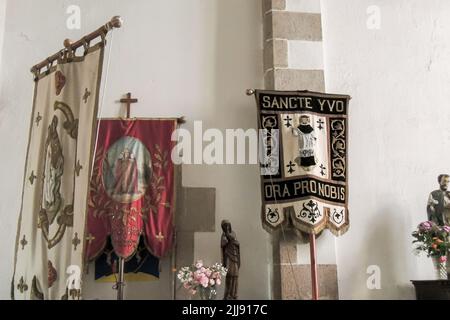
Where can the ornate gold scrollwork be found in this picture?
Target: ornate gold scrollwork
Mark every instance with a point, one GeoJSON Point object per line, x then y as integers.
{"type": "Point", "coordinates": [71, 124]}
{"type": "Point", "coordinates": [52, 206]}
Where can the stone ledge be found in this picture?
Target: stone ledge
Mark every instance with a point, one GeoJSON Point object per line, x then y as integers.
{"type": "Point", "coordinates": [293, 26]}
{"type": "Point", "coordinates": [295, 79]}
{"type": "Point", "coordinates": [275, 54]}
{"type": "Point", "coordinates": [273, 5]}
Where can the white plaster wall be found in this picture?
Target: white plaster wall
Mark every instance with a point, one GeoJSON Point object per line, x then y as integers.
{"type": "Point", "coordinates": [2, 30]}
{"type": "Point", "coordinates": [398, 77]}
{"type": "Point", "coordinates": [193, 58]}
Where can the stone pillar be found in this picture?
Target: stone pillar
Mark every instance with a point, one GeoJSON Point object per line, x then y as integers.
{"type": "Point", "coordinates": [293, 60]}
{"type": "Point", "coordinates": [195, 212]}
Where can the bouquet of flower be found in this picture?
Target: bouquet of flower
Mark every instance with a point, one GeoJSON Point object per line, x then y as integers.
{"type": "Point", "coordinates": [202, 279]}
{"type": "Point", "coordinates": [433, 239]}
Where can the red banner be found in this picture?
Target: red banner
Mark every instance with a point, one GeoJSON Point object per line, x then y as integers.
{"type": "Point", "coordinates": [132, 187]}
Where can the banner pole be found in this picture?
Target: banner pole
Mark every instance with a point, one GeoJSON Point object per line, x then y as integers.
{"type": "Point", "coordinates": [314, 277]}
{"type": "Point", "coordinates": [121, 283]}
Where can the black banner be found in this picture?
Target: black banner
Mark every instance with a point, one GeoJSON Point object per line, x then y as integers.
{"type": "Point", "coordinates": [303, 158]}
{"type": "Point", "coordinates": [304, 187]}
{"type": "Point", "coordinates": [293, 102]}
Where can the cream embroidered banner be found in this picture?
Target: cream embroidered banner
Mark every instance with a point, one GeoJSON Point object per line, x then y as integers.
{"type": "Point", "coordinates": [304, 162]}
{"type": "Point", "coordinates": [52, 218]}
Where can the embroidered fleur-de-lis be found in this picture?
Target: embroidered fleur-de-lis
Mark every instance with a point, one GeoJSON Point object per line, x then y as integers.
{"type": "Point", "coordinates": [78, 168]}
{"type": "Point", "coordinates": [75, 294]}
{"type": "Point", "coordinates": [322, 170]}
{"type": "Point", "coordinates": [76, 241]}
{"type": "Point", "coordinates": [23, 242]}
{"type": "Point", "coordinates": [38, 119]}
{"type": "Point", "coordinates": [22, 286]}
{"type": "Point", "coordinates": [320, 123]}
{"type": "Point", "coordinates": [32, 177]}
{"type": "Point", "coordinates": [86, 95]}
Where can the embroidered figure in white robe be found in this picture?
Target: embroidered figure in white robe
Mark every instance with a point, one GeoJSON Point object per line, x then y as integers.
{"type": "Point", "coordinates": [306, 142]}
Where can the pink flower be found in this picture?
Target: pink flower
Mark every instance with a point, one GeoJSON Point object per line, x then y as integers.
{"type": "Point", "coordinates": [202, 269]}
{"type": "Point", "coordinates": [442, 259]}
{"type": "Point", "coordinates": [425, 225]}
{"type": "Point", "coordinates": [186, 285]}
{"type": "Point", "coordinates": [199, 278]}
{"type": "Point", "coordinates": [218, 282]}
{"type": "Point", "coordinates": [204, 281]}
{"type": "Point", "coordinates": [208, 273]}
{"type": "Point", "coordinates": [212, 282]}
{"type": "Point", "coordinates": [199, 264]}
{"type": "Point", "coordinates": [446, 228]}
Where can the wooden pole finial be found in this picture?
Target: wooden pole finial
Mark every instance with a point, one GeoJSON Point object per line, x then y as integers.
{"type": "Point", "coordinates": [67, 43]}
{"type": "Point", "coordinates": [116, 22]}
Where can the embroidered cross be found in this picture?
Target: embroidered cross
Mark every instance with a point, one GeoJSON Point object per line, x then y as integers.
{"type": "Point", "coordinates": [90, 238]}
{"type": "Point", "coordinates": [22, 286]}
{"type": "Point", "coordinates": [32, 177]}
{"type": "Point", "coordinates": [86, 95]}
{"type": "Point", "coordinates": [322, 168]}
{"type": "Point", "coordinates": [76, 241]}
{"type": "Point", "coordinates": [321, 123]}
{"type": "Point", "coordinates": [290, 166]}
{"type": "Point", "coordinates": [23, 242]}
{"type": "Point", "coordinates": [288, 122]}
{"type": "Point", "coordinates": [38, 119]}
{"type": "Point", "coordinates": [78, 168]}
{"type": "Point", "coordinates": [160, 237]}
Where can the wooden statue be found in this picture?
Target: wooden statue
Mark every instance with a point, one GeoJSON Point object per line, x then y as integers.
{"type": "Point", "coordinates": [231, 260]}
{"type": "Point", "coordinates": [438, 206]}
{"type": "Point", "coordinates": [438, 209]}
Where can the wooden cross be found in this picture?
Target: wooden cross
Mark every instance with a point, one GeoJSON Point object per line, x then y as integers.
{"type": "Point", "coordinates": [128, 102]}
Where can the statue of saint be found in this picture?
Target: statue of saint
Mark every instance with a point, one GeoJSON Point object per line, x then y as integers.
{"type": "Point", "coordinates": [231, 259]}
{"type": "Point", "coordinates": [438, 206]}
{"type": "Point", "coordinates": [438, 210]}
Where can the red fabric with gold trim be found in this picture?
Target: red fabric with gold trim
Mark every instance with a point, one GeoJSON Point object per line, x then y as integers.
{"type": "Point", "coordinates": [132, 187]}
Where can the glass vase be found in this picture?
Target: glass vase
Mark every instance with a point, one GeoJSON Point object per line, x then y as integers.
{"type": "Point", "coordinates": [208, 293]}
{"type": "Point", "coordinates": [440, 269]}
